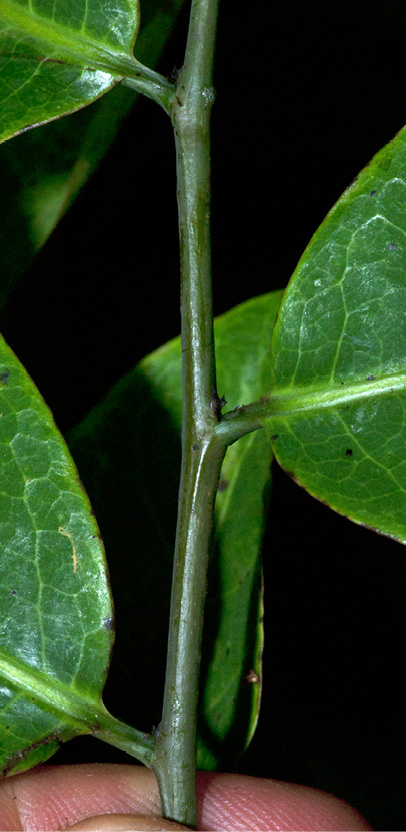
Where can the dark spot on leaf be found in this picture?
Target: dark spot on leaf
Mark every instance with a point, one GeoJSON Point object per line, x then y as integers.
{"type": "Point", "coordinates": [392, 246]}
{"type": "Point", "coordinates": [274, 437]}
{"type": "Point", "coordinates": [195, 447]}
{"type": "Point", "coordinates": [373, 193]}
{"type": "Point", "coordinates": [348, 452]}
{"type": "Point", "coordinates": [222, 485]}
{"type": "Point", "coordinates": [108, 623]}
{"type": "Point", "coordinates": [13, 592]}
{"type": "Point", "coordinates": [370, 377]}
{"type": "Point", "coordinates": [14, 759]}
{"type": "Point", "coordinates": [292, 475]}
{"type": "Point", "coordinates": [4, 376]}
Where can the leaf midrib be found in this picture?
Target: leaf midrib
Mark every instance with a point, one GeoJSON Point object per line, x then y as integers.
{"type": "Point", "coordinates": [50, 694]}
{"type": "Point", "coordinates": [80, 712]}
{"type": "Point", "coordinates": [60, 41]}
{"type": "Point", "coordinates": [285, 401]}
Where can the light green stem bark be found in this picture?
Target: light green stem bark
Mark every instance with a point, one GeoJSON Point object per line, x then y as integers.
{"type": "Point", "coordinates": [202, 450]}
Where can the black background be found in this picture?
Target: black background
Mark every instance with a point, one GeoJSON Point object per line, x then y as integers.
{"type": "Point", "coordinates": [305, 96]}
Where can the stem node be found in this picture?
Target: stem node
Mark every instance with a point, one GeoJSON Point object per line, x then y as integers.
{"type": "Point", "coordinates": [202, 449]}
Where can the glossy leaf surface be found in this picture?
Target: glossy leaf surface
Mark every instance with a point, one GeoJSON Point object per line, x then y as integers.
{"type": "Point", "coordinates": [338, 410]}
{"type": "Point", "coordinates": [55, 611]}
{"type": "Point", "coordinates": [58, 57]}
{"type": "Point", "coordinates": [143, 416]}
{"type": "Point", "coordinates": [42, 172]}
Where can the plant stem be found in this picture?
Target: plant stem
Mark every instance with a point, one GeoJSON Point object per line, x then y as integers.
{"type": "Point", "coordinates": [175, 754]}
{"type": "Point", "coordinates": [202, 450]}
{"type": "Point", "coordinates": [117, 733]}
{"type": "Point", "coordinates": [242, 420]}
{"type": "Point", "coordinates": [150, 83]}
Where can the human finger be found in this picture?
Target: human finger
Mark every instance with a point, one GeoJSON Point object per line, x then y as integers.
{"type": "Point", "coordinates": [233, 801]}
{"type": "Point", "coordinates": [125, 823]}
{"type": "Point", "coordinates": [51, 798]}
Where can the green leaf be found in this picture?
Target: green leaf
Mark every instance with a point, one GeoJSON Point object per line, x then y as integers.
{"type": "Point", "coordinates": [58, 57]}
{"type": "Point", "coordinates": [43, 171]}
{"type": "Point", "coordinates": [233, 634]}
{"type": "Point", "coordinates": [130, 445]}
{"type": "Point", "coordinates": [338, 404]}
{"type": "Point", "coordinates": [55, 611]}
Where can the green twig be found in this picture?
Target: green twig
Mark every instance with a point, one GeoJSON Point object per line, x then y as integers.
{"type": "Point", "coordinates": [202, 450]}
{"type": "Point", "coordinates": [150, 83]}
{"type": "Point", "coordinates": [120, 735]}
{"type": "Point", "coordinates": [242, 420]}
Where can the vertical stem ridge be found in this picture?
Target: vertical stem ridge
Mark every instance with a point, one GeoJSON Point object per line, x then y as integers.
{"type": "Point", "coordinates": [175, 760]}
{"type": "Point", "coordinates": [202, 449]}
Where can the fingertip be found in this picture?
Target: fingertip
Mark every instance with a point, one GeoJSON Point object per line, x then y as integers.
{"type": "Point", "coordinates": [230, 801]}
{"type": "Point", "coordinates": [125, 823]}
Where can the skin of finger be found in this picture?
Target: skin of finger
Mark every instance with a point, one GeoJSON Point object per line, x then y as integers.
{"type": "Point", "coordinates": [125, 823]}
{"type": "Point", "coordinates": [231, 801]}
{"type": "Point", "coordinates": [56, 797]}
